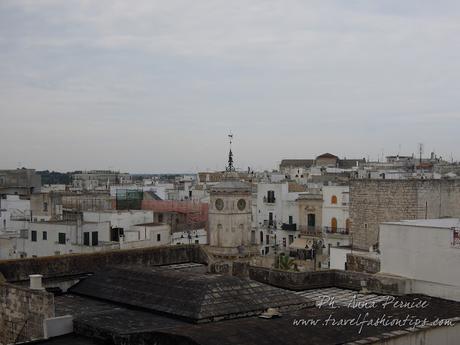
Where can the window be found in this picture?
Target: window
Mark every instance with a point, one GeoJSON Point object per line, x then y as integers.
{"type": "Point", "coordinates": [284, 242]}
{"type": "Point", "coordinates": [267, 239]}
{"type": "Point", "coordinates": [45, 207]}
{"type": "Point", "coordinates": [334, 200]}
{"type": "Point", "coordinates": [158, 237]}
{"type": "Point", "coordinates": [44, 235]}
{"type": "Point", "coordinates": [160, 218]}
{"type": "Point", "coordinates": [94, 238]}
{"type": "Point", "coordinates": [33, 236]}
{"type": "Point", "coordinates": [86, 238]}
{"type": "Point", "coordinates": [290, 219]}
{"type": "Point", "coordinates": [291, 239]}
{"type": "Point", "coordinates": [261, 237]}
{"type": "Point", "coordinates": [197, 241]}
{"type": "Point", "coordinates": [61, 238]}
{"type": "Point", "coordinates": [270, 198]}
{"type": "Point", "coordinates": [270, 218]}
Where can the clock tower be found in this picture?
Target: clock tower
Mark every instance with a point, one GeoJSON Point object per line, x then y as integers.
{"type": "Point", "coordinates": [230, 213]}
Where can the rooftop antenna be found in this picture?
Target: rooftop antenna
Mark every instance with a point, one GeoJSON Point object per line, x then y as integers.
{"type": "Point", "coordinates": [420, 151]}
{"type": "Point", "coordinates": [230, 166]}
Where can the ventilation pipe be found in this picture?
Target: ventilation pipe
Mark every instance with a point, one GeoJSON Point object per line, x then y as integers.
{"type": "Point", "coordinates": [36, 282]}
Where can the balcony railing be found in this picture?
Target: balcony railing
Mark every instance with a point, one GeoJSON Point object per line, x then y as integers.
{"type": "Point", "coordinates": [289, 227]}
{"type": "Point", "coordinates": [269, 225]}
{"type": "Point", "coordinates": [334, 230]}
{"type": "Point", "coordinates": [269, 200]}
{"type": "Point", "coordinates": [310, 230]}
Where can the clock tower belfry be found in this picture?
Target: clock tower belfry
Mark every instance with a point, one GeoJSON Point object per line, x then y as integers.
{"type": "Point", "coordinates": [230, 212]}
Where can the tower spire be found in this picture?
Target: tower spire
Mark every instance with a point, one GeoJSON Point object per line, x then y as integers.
{"type": "Point", "coordinates": [230, 166]}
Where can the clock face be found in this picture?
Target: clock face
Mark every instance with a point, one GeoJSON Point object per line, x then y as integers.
{"type": "Point", "coordinates": [219, 204]}
{"type": "Point", "coordinates": [241, 204]}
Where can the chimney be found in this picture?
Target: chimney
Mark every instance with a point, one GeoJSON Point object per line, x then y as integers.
{"type": "Point", "coordinates": [36, 282]}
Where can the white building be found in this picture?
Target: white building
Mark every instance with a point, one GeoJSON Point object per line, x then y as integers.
{"type": "Point", "coordinates": [47, 188]}
{"type": "Point", "coordinates": [54, 238]}
{"type": "Point", "coordinates": [122, 219]}
{"type": "Point", "coordinates": [156, 234]}
{"type": "Point", "coordinates": [425, 251]}
{"type": "Point", "coordinates": [198, 236]}
{"type": "Point", "coordinates": [276, 216]}
{"type": "Point", "coordinates": [336, 224]}
{"type": "Point", "coordinates": [12, 208]}
{"type": "Point", "coordinates": [336, 215]}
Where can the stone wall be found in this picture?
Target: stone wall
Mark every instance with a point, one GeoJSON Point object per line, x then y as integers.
{"type": "Point", "coordinates": [298, 281]}
{"type": "Point", "coordinates": [75, 264]}
{"type": "Point", "coordinates": [229, 267]}
{"type": "Point", "coordinates": [375, 201]}
{"type": "Point", "coordinates": [360, 263]}
{"type": "Point", "coordinates": [22, 312]}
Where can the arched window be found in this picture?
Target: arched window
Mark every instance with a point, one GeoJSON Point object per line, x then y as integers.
{"type": "Point", "coordinates": [334, 224]}
{"type": "Point", "coordinates": [348, 225]}
{"type": "Point", "coordinates": [334, 200]}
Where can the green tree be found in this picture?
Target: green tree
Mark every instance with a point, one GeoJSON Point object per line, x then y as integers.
{"type": "Point", "coordinates": [285, 263]}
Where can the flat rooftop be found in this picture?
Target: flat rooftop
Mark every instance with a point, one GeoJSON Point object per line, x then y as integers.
{"type": "Point", "coordinates": [445, 223]}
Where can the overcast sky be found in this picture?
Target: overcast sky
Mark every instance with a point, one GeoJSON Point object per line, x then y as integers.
{"type": "Point", "coordinates": [155, 86]}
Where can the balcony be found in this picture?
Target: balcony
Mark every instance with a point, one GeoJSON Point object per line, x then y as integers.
{"type": "Point", "coordinates": [269, 200]}
{"type": "Point", "coordinates": [340, 231]}
{"type": "Point", "coordinates": [269, 225]}
{"type": "Point", "coordinates": [310, 230]}
{"type": "Point", "coordinates": [289, 227]}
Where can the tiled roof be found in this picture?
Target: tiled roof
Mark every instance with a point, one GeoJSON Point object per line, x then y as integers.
{"type": "Point", "coordinates": [195, 297]}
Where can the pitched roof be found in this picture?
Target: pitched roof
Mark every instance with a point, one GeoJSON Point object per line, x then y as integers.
{"type": "Point", "coordinates": [327, 155]}
{"type": "Point", "coordinates": [195, 297]}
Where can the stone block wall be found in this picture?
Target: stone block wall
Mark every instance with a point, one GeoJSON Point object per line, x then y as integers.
{"type": "Point", "coordinates": [22, 312]}
{"type": "Point", "coordinates": [74, 264]}
{"type": "Point", "coordinates": [375, 201]}
{"type": "Point", "coordinates": [359, 263]}
{"type": "Point", "coordinates": [298, 281]}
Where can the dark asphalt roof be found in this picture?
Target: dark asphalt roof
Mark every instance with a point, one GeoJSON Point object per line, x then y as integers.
{"type": "Point", "coordinates": [253, 330]}
{"type": "Point", "coordinates": [194, 297]}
